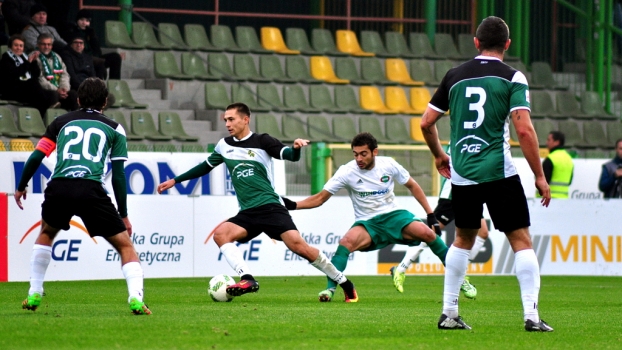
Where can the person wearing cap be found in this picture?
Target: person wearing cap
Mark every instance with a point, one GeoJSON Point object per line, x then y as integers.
{"type": "Point", "coordinates": [38, 25]}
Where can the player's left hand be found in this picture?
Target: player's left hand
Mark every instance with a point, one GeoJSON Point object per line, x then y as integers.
{"type": "Point", "coordinates": [18, 197]}
{"type": "Point", "coordinates": [433, 223]}
{"type": "Point", "coordinates": [166, 185]}
{"type": "Point", "coordinates": [442, 164]}
{"type": "Point", "coordinates": [544, 190]}
{"type": "Point", "coordinates": [299, 143]}
{"type": "Point", "coordinates": [128, 225]}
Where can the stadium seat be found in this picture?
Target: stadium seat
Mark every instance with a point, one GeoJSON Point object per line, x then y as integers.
{"type": "Point", "coordinates": [194, 66]}
{"type": "Point", "coordinates": [371, 70]}
{"type": "Point", "coordinates": [397, 101]}
{"type": "Point", "coordinates": [143, 125]}
{"type": "Point", "coordinates": [596, 154]}
{"type": "Point", "coordinates": [294, 127]}
{"type": "Point", "coordinates": [272, 39]}
{"type": "Point", "coordinates": [415, 129]}
{"type": "Point", "coordinates": [371, 100]}
{"type": "Point", "coordinates": [268, 97]}
{"type": "Point", "coordinates": [466, 46]}
{"type": "Point", "coordinates": [244, 67]}
{"type": "Point", "coordinates": [444, 46]}
{"type": "Point", "coordinates": [592, 106]}
{"type": "Point", "coordinates": [542, 106]}
{"type": "Point", "coordinates": [372, 42]}
{"type": "Point", "coordinates": [30, 121]}
{"type": "Point", "coordinates": [520, 66]}
{"type": "Point", "coordinates": [7, 124]}
{"type": "Point", "coordinates": [543, 128]}
{"type": "Point", "coordinates": [345, 68]}
{"type": "Point", "coordinates": [443, 126]}
{"type": "Point", "coordinates": [222, 38]}
{"type": "Point", "coordinates": [340, 157]}
{"type": "Point", "coordinates": [319, 97]}
{"type": "Point", "coordinates": [397, 46]}
{"type": "Point", "coordinates": [137, 147]}
{"type": "Point", "coordinates": [397, 71]}
{"type": "Point", "coordinates": [220, 67]}
{"type": "Point", "coordinates": [247, 39]}
{"type": "Point", "coordinates": [143, 36]}
{"type": "Point", "coordinates": [294, 97]}
{"type": "Point", "coordinates": [196, 38]}
{"type": "Point", "coordinates": [420, 44]}
{"type": "Point", "coordinates": [441, 68]}
{"type": "Point", "coordinates": [123, 95]}
{"type": "Point", "coordinates": [322, 69]}
{"type": "Point", "coordinates": [170, 125]}
{"type": "Point", "coordinates": [371, 125]}
{"type": "Point", "coordinates": [614, 132]}
{"type": "Point", "coordinates": [573, 135]}
{"type": "Point", "coordinates": [51, 114]}
{"type": "Point", "coordinates": [216, 96]}
{"type": "Point", "coordinates": [323, 42]}
{"type": "Point", "coordinates": [347, 42]}
{"type": "Point", "coordinates": [397, 130]}
{"type": "Point", "coordinates": [594, 135]}
{"type": "Point", "coordinates": [192, 147]}
{"type": "Point", "coordinates": [319, 129]}
{"type": "Point", "coordinates": [270, 68]}
{"type": "Point", "coordinates": [21, 145]}
{"type": "Point", "coordinates": [266, 123]}
{"type": "Point", "coordinates": [164, 147]}
{"type": "Point", "coordinates": [419, 99]}
{"type": "Point", "coordinates": [297, 69]}
{"type": "Point", "coordinates": [421, 70]}
{"type": "Point", "coordinates": [343, 126]}
{"type": "Point", "coordinates": [165, 66]}
{"type": "Point", "coordinates": [541, 74]}
{"type": "Point", "coordinates": [170, 36]}
{"type": "Point", "coordinates": [118, 117]}
{"type": "Point", "coordinates": [117, 36]}
{"type": "Point", "coordinates": [243, 93]}
{"type": "Point", "coordinates": [345, 98]}
{"type": "Point", "coordinates": [568, 105]}
{"type": "Point", "coordinates": [2, 147]}
{"type": "Point", "coordinates": [3, 49]}
{"type": "Point", "coordinates": [296, 39]}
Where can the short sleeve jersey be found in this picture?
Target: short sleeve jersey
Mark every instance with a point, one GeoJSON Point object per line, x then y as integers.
{"type": "Point", "coordinates": [371, 191]}
{"type": "Point", "coordinates": [85, 140]}
{"type": "Point", "coordinates": [249, 162]}
{"type": "Point", "coordinates": [480, 95]}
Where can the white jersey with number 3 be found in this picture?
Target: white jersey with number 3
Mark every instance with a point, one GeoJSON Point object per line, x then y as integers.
{"type": "Point", "coordinates": [371, 191]}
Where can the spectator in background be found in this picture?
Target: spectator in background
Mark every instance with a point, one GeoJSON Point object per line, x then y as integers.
{"type": "Point", "coordinates": [558, 167]}
{"type": "Point", "coordinates": [92, 47]}
{"type": "Point", "coordinates": [38, 25]}
{"type": "Point", "coordinates": [610, 183]}
{"type": "Point", "coordinates": [17, 14]}
{"type": "Point", "coordinates": [54, 76]}
{"type": "Point", "coordinates": [20, 77]}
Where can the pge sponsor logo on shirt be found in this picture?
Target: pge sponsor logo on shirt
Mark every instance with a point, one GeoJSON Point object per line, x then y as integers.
{"type": "Point", "coordinates": [372, 193]}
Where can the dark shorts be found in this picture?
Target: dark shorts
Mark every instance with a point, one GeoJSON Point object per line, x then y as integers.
{"type": "Point", "coordinates": [271, 219]}
{"type": "Point", "coordinates": [83, 198]}
{"type": "Point", "coordinates": [444, 211]}
{"type": "Point", "coordinates": [505, 199]}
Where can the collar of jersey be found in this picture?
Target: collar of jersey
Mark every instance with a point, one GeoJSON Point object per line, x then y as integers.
{"type": "Point", "coordinates": [480, 57]}
{"type": "Point", "coordinates": [245, 138]}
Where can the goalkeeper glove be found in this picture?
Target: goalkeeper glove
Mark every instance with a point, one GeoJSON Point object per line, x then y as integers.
{"type": "Point", "coordinates": [433, 223]}
{"type": "Point", "coordinates": [289, 204]}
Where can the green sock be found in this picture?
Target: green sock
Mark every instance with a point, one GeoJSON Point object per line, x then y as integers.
{"type": "Point", "coordinates": [439, 248]}
{"type": "Point", "coordinates": [340, 260]}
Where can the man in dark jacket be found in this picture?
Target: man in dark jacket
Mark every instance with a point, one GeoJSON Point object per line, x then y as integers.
{"type": "Point", "coordinates": [611, 176]}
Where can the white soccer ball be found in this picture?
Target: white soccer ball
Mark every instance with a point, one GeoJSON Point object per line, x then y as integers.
{"type": "Point", "coordinates": [217, 289]}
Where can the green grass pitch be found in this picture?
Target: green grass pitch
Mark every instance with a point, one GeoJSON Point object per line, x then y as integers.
{"type": "Point", "coordinates": [285, 314]}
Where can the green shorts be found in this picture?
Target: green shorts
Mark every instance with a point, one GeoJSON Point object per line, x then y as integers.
{"type": "Point", "coordinates": [386, 229]}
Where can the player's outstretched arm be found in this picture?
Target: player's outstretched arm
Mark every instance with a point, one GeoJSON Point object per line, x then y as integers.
{"type": "Point", "coordinates": [197, 171]}
{"type": "Point", "coordinates": [314, 201]}
{"type": "Point", "coordinates": [420, 196]}
{"type": "Point", "coordinates": [31, 166]}
{"type": "Point", "coordinates": [293, 153]}
{"type": "Point", "coordinates": [430, 134]}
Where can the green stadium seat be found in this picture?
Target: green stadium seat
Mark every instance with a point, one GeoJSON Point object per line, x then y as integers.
{"type": "Point", "coordinates": [244, 67]}
{"type": "Point", "coordinates": [137, 147]}
{"type": "Point", "coordinates": [165, 66]}
{"type": "Point", "coordinates": [170, 36]}
{"type": "Point", "coordinates": [270, 68]}
{"type": "Point", "coordinates": [443, 126]}
{"type": "Point", "coordinates": [543, 128]}
{"type": "Point", "coordinates": [296, 39]}
{"type": "Point", "coordinates": [444, 46]}
{"type": "Point", "coordinates": [568, 105]}
{"type": "Point", "coordinates": [343, 126]}
{"type": "Point", "coordinates": [323, 42]}
{"type": "Point", "coordinates": [345, 68]}
{"type": "Point", "coordinates": [268, 97]}
{"type": "Point", "coordinates": [371, 70]}
{"type": "Point", "coordinates": [319, 97]}
{"type": "Point", "coordinates": [421, 70]}
{"type": "Point", "coordinates": [143, 125]}
{"type": "Point", "coordinates": [542, 106]}
{"type": "Point", "coordinates": [216, 96]}
{"type": "Point", "coordinates": [372, 125]}
{"type": "Point", "coordinates": [53, 113]}
{"type": "Point", "coordinates": [193, 65]}
{"type": "Point", "coordinates": [345, 98]}
{"type": "Point", "coordinates": [7, 124]}
{"type": "Point", "coordinates": [170, 125]}
{"type": "Point", "coordinates": [397, 46]}
{"type": "Point", "coordinates": [319, 129]}
{"type": "Point", "coordinates": [117, 36]}
{"type": "Point", "coordinates": [118, 117]}
{"type": "Point", "coordinates": [596, 154]}
{"type": "Point", "coordinates": [294, 128]}
{"type": "Point", "coordinates": [372, 42]}
{"type": "Point", "coordinates": [441, 68]}
{"type": "Point", "coordinates": [573, 135]}
{"type": "Point", "coordinates": [614, 132]}
{"type": "Point", "coordinates": [243, 93]}
{"type": "Point", "coordinates": [196, 38]}
{"type": "Point", "coordinates": [30, 121]}
{"type": "Point", "coordinates": [594, 135]}
{"type": "Point", "coordinates": [247, 39]}
{"type": "Point", "coordinates": [397, 130]}
{"type": "Point", "coordinates": [520, 66]}
{"type": "Point", "coordinates": [266, 123]}
{"type": "Point", "coordinates": [341, 157]}
{"type": "Point", "coordinates": [466, 46]}
{"type": "Point", "coordinates": [192, 147]}
{"type": "Point", "coordinates": [420, 43]}
{"type": "Point", "coordinates": [293, 96]}
{"type": "Point", "coordinates": [592, 106]}
{"type": "Point", "coordinates": [222, 38]}
{"type": "Point", "coordinates": [3, 49]}
{"type": "Point", "coordinates": [541, 74]}
{"type": "Point", "coordinates": [164, 147]}
{"type": "Point", "coordinates": [297, 69]}
{"type": "Point", "coordinates": [123, 95]}
{"type": "Point", "coordinates": [143, 36]}
{"type": "Point", "coordinates": [220, 67]}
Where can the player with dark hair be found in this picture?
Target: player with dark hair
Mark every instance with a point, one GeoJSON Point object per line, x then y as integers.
{"type": "Point", "coordinates": [248, 157]}
{"type": "Point", "coordinates": [484, 96]}
{"type": "Point", "coordinates": [370, 179]}
{"type": "Point", "coordinates": [84, 141]}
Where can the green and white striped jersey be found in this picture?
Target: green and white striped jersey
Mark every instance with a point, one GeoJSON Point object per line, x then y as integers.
{"type": "Point", "coordinates": [480, 95]}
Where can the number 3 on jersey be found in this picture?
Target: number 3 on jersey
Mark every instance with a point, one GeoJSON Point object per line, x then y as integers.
{"type": "Point", "coordinates": [83, 137]}
{"type": "Point", "coordinates": [476, 106]}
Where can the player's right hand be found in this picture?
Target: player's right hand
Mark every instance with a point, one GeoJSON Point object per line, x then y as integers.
{"type": "Point", "coordinates": [18, 197]}
{"type": "Point", "coordinates": [433, 223]}
{"type": "Point", "coordinates": [543, 190]}
{"type": "Point", "coordinates": [442, 164]}
{"type": "Point", "coordinates": [166, 185]}
{"type": "Point", "coordinates": [128, 225]}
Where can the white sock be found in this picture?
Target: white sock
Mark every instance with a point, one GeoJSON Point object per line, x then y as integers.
{"type": "Point", "coordinates": [235, 258]}
{"type": "Point", "coordinates": [133, 273]}
{"type": "Point", "coordinates": [323, 264]}
{"type": "Point", "coordinates": [528, 274]}
{"type": "Point", "coordinates": [412, 253]}
{"type": "Point", "coordinates": [456, 263]}
{"type": "Point", "coordinates": [39, 262]}
{"type": "Point", "coordinates": [477, 246]}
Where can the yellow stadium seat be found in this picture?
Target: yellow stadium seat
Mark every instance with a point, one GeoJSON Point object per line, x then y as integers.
{"type": "Point", "coordinates": [322, 69]}
{"type": "Point", "coordinates": [347, 42]}
{"type": "Point", "coordinates": [21, 145]}
{"type": "Point", "coordinates": [419, 99]}
{"type": "Point", "coordinates": [371, 100]}
{"type": "Point", "coordinates": [397, 71]}
{"type": "Point", "coordinates": [415, 129]}
{"type": "Point", "coordinates": [2, 147]}
{"type": "Point", "coordinates": [272, 39]}
{"type": "Point", "coordinates": [397, 101]}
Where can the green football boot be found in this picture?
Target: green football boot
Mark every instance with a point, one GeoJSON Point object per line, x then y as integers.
{"type": "Point", "coordinates": [326, 295]}
{"type": "Point", "coordinates": [398, 279]}
{"type": "Point", "coordinates": [138, 307]}
{"type": "Point", "coordinates": [468, 289]}
{"type": "Point", "coordinates": [32, 302]}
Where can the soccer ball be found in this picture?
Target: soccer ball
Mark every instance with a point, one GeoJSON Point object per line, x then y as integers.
{"type": "Point", "coordinates": [217, 289]}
